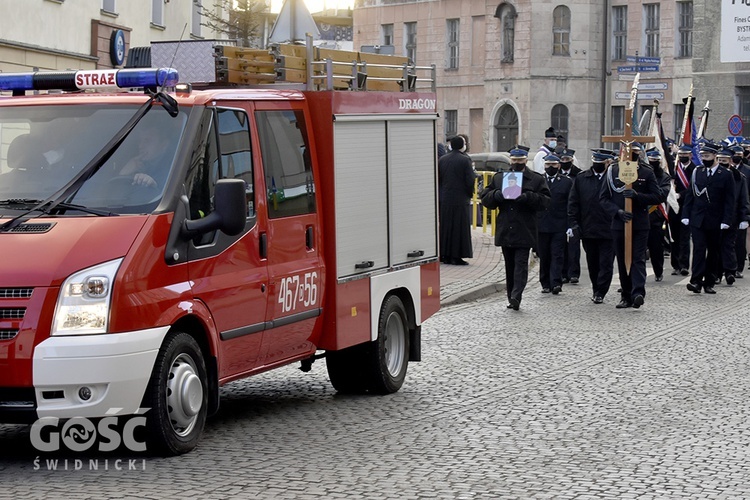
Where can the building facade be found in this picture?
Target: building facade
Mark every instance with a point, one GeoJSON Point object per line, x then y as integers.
{"type": "Point", "coordinates": [508, 70]}
{"type": "Point", "coordinates": [90, 34]}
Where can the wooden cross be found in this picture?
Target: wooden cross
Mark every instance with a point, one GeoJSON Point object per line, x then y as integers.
{"type": "Point", "coordinates": [628, 170]}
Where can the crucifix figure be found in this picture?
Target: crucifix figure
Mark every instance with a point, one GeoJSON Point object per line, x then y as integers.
{"type": "Point", "coordinates": [628, 168]}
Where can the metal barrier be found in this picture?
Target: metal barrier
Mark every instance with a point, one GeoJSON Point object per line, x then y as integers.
{"type": "Point", "coordinates": [488, 216]}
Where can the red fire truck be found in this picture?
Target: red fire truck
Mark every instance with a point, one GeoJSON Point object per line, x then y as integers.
{"type": "Point", "coordinates": [157, 245]}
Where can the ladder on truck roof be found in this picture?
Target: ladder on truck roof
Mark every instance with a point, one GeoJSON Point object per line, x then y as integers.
{"type": "Point", "coordinates": [320, 69]}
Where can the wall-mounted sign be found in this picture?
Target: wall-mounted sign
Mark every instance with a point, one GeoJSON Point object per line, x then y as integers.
{"type": "Point", "coordinates": [117, 48]}
{"type": "Point", "coordinates": [735, 31]}
{"type": "Point", "coordinates": [642, 96]}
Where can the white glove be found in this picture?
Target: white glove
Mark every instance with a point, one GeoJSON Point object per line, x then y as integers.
{"type": "Point", "coordinates": [724, 226]}
{"type": "Point", "coordinates": [569, 233]}
{"type": "Point", "coordinates": [685, 222]}
{"type": "Point", "coordinates": [744, 224]}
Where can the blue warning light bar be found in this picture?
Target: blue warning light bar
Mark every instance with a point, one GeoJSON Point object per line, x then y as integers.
{"type": "Point", "coordinates": [90, 79]}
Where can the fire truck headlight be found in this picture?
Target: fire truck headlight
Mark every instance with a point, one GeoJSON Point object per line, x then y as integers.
{"type": "Point", "coordinates": [84, 301]}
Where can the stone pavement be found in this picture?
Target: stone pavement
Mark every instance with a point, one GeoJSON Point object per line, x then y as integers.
{"type": "Point", "coordinates": [484, 275]}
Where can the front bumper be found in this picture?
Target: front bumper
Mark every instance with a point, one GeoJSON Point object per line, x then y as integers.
{"type": "Point", "coordinates": [115, 368]}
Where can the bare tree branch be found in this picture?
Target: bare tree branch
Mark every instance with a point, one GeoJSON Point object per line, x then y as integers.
{"type": "Point", "coordinates": [238, 19]}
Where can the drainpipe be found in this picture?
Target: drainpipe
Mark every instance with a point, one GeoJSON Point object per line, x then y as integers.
{"type": "Point", "coordinates": [605, 61]}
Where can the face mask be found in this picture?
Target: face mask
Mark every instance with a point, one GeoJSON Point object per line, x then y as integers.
{"type": "Point", "coordinates": [684, 160]}
{"type": "Point", "coordinates": [565, 165]}
{"type": "Point", "coordinates": [724, 163]}
{"type": "Point", "coordinates": [746, 153]}
{"type": "Point", "coordinates": [736, 159]}
{"type": "Point", "coordinates": [553, 144]}
{"type": "Point", "coordinates": [655, 164]}
{"type": "Point", "coordinates": [517, 167]}
{"type": "Point", "coordinates": [708, 163]}
{"type": "Point", "coordinates": [551, 171]}
{"type": "Point", "coordinates": [598, 167]}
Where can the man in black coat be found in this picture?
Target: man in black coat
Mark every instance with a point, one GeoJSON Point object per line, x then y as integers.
{"type": "Point", "coordinates": [708, 210]}
{"type": "Point", "coordinates": [644, 192]}
{"type": "Point", "coordinates": [572, 259]}
{"type": "Point", "coordinates": [553, 223]}
{"type": "Point", "coordinates": [456, 187]}
{"type": "Point", "coordinates": [680, 248]}
{"type": "Point", "coordinates": [516, 224]}
{"type": "Point", "coordinates": [729, 237]}
{"type": "Point", "coordinates": [740, 246]}
{"type": "Point", "coordinates": [590, 221]}
{"type": "Point", "coordinates": [657, 214]}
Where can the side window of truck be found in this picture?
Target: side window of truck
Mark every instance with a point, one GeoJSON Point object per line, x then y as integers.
{"type": "Point", "coordinates": [222, 153]}
{"type": "Point", "coordinates": [284, 147]}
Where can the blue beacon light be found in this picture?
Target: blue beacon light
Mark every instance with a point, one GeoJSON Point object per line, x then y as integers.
{"type": "Point", "coordinates": [89, 79]}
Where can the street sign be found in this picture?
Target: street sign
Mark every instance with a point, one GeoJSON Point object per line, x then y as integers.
{"type": "Point", "coordinates": [643, 60]}
{"type": "Point", "coordinates": [626, 77]}
{"type": "Point", "coordinates": [735, 125]}
{"type": "Point", "coordinates": [637, 69]}
{"type": "Point", "coordinates": [642, 96]}
{"type": "Point", "coordinates": [653, 86]}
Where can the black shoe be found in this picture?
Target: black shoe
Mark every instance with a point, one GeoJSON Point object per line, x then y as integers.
{"type": "Point", "coordinates": [684, 272]}
{"type": "Point", "coordinates": [738, 275]}
{"type": "Point", "coordinates": [659, 278]}
{"type": "Point", "coordinates": [619, 290]}
{"type": "Point", "coordinates": [675, 272]}
{"type": "Point", "coordinates": [709, 289]}
{"type": "Point", "coordinates": [624, 304]}
{"type": "Point", "coordinates": [637, 301]}
{"type": "Point", "coordinates": [574, 280]}
{"type": "Point", "coordinates": [693, 287]}
{"type": "Point", "coordinates": [459, 262]}
{"type": "Point", "coordinates": [717, 280]}
{"type": "Point", "coordinates": [730, 279]}
{"type": "Point", "coordinates": [556, 290]}
{"type": "Point", "coordinates": [566, 280]}
{"type": "Point", "coordinates": [598, 300]}
{"type": "Point", "coordinates": [545, 290]}
{"type": "Point", "coordinates": [514, 304]}
{"type": "Point", "coordinates": [509, 306]}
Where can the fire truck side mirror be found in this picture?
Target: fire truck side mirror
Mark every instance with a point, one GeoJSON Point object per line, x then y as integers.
{"type": "Point", "coordinates": [230, 210]}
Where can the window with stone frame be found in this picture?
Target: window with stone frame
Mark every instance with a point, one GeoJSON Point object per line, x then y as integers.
{"type": "Point", "coordinates": [651, 29]}
{"type": "Point", "coordinates": [559, 120]}
{"type": "Point", "coordinates": [451, 123]}
{"type": "Point", "coordinates": [617, 126]}
{"type": "Point", "coordinates": [410, 42]}
{"type": "Point", "coordinates": [386, 34]}
{"type": "Point", "coordinates": [619, 32]}
{"type": "Point", "coordinates": [685, 29]}
{"type": "Point", "coordinates": [452, 39]}
{"type": "Point", "coordinates": [561, 31]}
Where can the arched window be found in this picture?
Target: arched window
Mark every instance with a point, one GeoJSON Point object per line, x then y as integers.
{"type": "Point", "coordinates": [506, 14]}
{"type": "Point", "coordinates": [506, 128]}
{"type": "Point", "coordinates": [559, 119]}
{"type": "Point", "coordinates": [561, 31]}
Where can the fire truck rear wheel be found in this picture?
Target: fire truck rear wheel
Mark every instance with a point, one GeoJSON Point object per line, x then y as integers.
{"type": "Point", "coordinates": [389, 353]}
{"type": "Point", "coordinates": [177, 396]}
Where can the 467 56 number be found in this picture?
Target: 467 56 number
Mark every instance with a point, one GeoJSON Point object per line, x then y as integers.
{"type": "Point", "coordinates": [298, 289]}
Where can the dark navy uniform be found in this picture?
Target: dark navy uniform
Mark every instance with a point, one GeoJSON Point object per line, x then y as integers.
{"type": "Point", "coordinates": [553, 223]}
{"type": "Point", "coordinates": [709, 204]}
{"type": "Point", "coordinates": [593, 224]}
{"type": "Point", "coordinates": [645, 192]}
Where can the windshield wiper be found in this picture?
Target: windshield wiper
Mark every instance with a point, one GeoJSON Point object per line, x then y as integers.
{"type": "Point", "coordinates": [38, 206]}
{"type": "Point", "coordinates": [68, 191]}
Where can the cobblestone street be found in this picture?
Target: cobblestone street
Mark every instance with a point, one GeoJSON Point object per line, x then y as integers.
{"type": "Point", "coordinates": [562, 399]}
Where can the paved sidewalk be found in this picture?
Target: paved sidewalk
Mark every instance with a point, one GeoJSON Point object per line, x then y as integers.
{"type": "Point", "coordinates": [484, 275]}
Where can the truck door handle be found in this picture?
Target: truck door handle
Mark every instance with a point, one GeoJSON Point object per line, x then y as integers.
{"type": "Point", "coordinates": [309, 237]}
{"type": "Point", "coordinates": [415, 253]}
{"type": "Point", "coordinates": [364, 264]}
{"type": "Point", "coordinates": [263, 246]}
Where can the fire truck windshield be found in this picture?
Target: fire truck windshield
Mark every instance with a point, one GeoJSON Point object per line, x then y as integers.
{"type": "Point", "coordinates": [46, 146]}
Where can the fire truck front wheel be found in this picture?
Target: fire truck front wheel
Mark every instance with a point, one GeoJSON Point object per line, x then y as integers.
{"type": "Point", "coordinates": [177, 396]}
